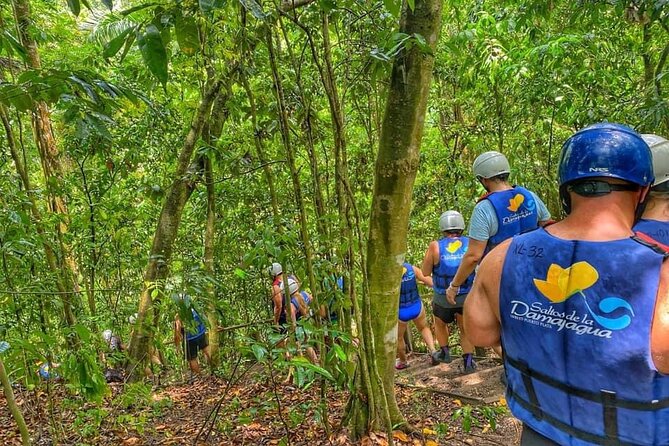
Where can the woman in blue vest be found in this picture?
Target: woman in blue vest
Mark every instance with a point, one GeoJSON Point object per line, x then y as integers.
{"type": "Point", "coordinates": [300, 300]}
{"type": "Point", "coordinates": [655, 220]}
{"type": "Point", "coordinates": [193, 338]}
{"type": "Point", "coordinates": [442, 259]}
{"type": "Point", "coordinates": [581, 306]}
{"type": "Point", "coordinates": [411, 309]}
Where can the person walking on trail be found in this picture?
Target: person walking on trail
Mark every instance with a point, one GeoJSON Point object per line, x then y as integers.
{"type": "Point", "coordinates": [411, 309]}
{"type": "Point", "coordinates": [299, 310]}
{"type": "Point", "coordinates": [655, 219]}
{"type": "Point", "coordinates": [279, 296]}
{"type": "Point", "coordinates": [114, 347]}
{"type": "Point", "coordinates": [581, 306]}
{"type": "Point", "coordinates": [441, 262]}
{"type": "Point", "coordinates": [192, 337]}
{"type": "Point", "coordinates": [503, 212]}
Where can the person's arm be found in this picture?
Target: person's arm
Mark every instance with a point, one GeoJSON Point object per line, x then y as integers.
{"type": "Point", "coordinates": [659, 338]}
{"type": "Point", "coordinates": [467, 265]}
{"type": "Point", "coordinates": [481, 310]}
{"type": "Point", "coordinates": [543, 214]}
{"type": "Point", "coordinates": [427, 280]}
{"type": "Point", "coordinates": [178, 339]}
{"type": "Point", "coordinates": [277, 298]}
{"type": "Point", "coordinates": [431, 258]}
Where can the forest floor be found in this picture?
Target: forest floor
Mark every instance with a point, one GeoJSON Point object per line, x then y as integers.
{"type": "Point", "coordinates": [444, 406]}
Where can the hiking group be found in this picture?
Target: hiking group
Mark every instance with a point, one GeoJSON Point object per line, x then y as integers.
{"type": "Point", "coordinates": [577, 309]}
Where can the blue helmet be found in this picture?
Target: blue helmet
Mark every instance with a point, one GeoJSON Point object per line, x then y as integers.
{"type": "Point", "coordinates": [604, 150]}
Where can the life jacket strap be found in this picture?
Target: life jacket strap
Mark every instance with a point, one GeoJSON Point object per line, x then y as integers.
{"type": "Point", "coordinates": [586, 394]}
{"type": "Point", "coordinates": [653, 244]}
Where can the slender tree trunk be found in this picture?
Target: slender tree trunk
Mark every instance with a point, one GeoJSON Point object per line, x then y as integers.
{"type": "Point", "coordinates": [13, 407]}
{"type": "Point", "coordinates": [372, 405]}
{"type": "Point", "coordinates": [168, 225]}
{"type": "Point", "coordinates": [319, 203]}
{"type": "Point", "coordinates": [285, 133]}
{"type": "Point", "coordinates": [210, 134]}
{"type": "Point", "coordinates": [260, 146]}
{"type": "Point", "coordinates": [51, 164]}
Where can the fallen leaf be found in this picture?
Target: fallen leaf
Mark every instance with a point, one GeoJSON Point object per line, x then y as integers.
{"type": "Point", "coordinates": [431, 443]}
{"type": "Point", "coordinates": [399, 435]}
{"type": "Point", "coordinates": [132, 441]}
{"type": "Point", "coordinates": [427, 431]}
{"type": "Point", "coordinates": [457, 403]}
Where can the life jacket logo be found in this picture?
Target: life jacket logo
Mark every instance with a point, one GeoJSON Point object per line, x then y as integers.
{"type": "Point", "coordinates": [515, 202]}
{"type": "Point", "coordinates": [563, 283]}
{"type": "Point", "coordinates": [454, 246]}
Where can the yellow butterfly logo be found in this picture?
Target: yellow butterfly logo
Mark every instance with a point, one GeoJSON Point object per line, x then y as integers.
{"type": "Point", "coordinates": [454, 246]}
{"type": "Point", "coordinates": [515, 202]}
{"type": "Point", "coordinates": [562, 283]}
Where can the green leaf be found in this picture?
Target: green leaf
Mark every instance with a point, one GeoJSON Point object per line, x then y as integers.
{"type": "Point", "coordinates": [393, 6]}
{"type": "Point", "coordinates": [108, 3]}
{"type": "Point", "coordinates": [341, 354]}
{"type": "Point", "coordinates": [113, 46]}
{"type": "Point", "coordinates": [254, 8]}
{"type": "Point", "coordinates": [137, 8]}
{"type": "Point", "coordinates": [153, 52]}
{"type": "Point", "coordinates": [208, 6]}
{"type": "Point", "coordinates": [304, 362]}
{"type": "Point", "coordinates": [75, 6]}
{"type": "Point", "coordinates": [15, 45]}
{"type": "Point", "coordinates": [240, 273]}
{"type": "Point", "coordinates": [411, 4]}
{"type": "Point", "coordinates": [258, 351]}
{"type": "Point", "coordinates": [83, 332]}
{"type": "Point", "coordinates": [128, 45]}
{"type": "Point", "coordinates": [187, 35]}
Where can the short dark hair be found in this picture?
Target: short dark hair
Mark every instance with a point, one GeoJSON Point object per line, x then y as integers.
{"type": "Point", "coordinates": [500, 178]}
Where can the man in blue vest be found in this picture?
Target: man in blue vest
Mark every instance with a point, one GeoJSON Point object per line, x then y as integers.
{"type": "Point", "coordinates": [503, 212]}
{"type": "Point", "coordinates": [581, 306]}
{"type": "Point", "coordinates": [193, 336]}
{"type": "Point", "coordinates": [441, 262]}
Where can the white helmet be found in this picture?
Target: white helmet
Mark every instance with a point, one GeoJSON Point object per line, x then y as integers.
{"type": "Point", "coordinates": [107, 335]}
{"type": "Point", "coordinates": [293, 287]}
{"type": "Point", "coordinates": [490, 164]}
{"type": "Point", "coordinates": [451, 221]}
{"type": "Point", "coordinates": [659, 147]}
{"type": "Point", "coordinates": [275, 269]}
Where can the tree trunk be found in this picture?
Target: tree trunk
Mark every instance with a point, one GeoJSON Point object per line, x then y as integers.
{"type": "Point", "coordinates": [372, 405]}
{"type": "Point", "coordinates": [210, 134]}
{"type": "Point", "coordinates": [51, 165]}
{"type": "Point", "coordinates": [166, 232]}
{"type": "Point", "coordinates": [13, 407]}
{"type": "Point", "coordinates": [285, 133]}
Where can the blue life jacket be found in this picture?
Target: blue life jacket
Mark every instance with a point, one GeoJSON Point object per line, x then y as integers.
{"type": "Point", "coordinates": [451, 251]}
{"type": "Point", "coordinates": [328, 283]}
{"type": "Point", "coordinates": [293, 300]}
{"type": "Point", "coordinates": [409, 288]}
{"type": "Point", "coordinates": [516, 211]}
{"type": "Point", "coordinates": [200, 327]}
{"type": "Point", "coordinates": [657, 230]}
{"type": "Point", "coordinates": [576, 319]}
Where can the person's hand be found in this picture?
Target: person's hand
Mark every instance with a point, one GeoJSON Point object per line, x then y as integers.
{"type": "Point", "coordinates": [451, 294]}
